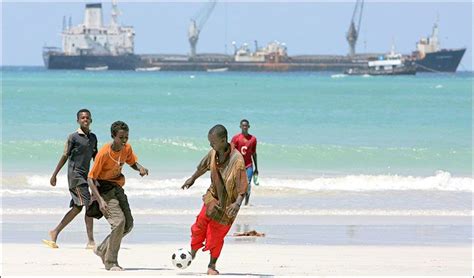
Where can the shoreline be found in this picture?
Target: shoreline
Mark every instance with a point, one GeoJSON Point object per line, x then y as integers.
{"type": "Point", "coordinates": [279, 230]}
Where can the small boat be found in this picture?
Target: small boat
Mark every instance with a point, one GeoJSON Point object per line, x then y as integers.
{"type": "Point", "coordinates": [218, 70]}
{"type": "Point", "coordinates": [101, 68]}
{"type": "Point", "coordinates": [390, 64]}
{"type": "Point", "coordinates": [366, 72]}
{"type": "Point", "coordinates": [148, 69]}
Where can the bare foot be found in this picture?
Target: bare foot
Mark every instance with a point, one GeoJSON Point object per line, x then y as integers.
{"type": "Point", "coordinates": [212, 271]}
{"type": "Point", "coordinates": [98, 253]}
{"type": "Point", "coordinates": [53, 235]}
{"type": "Point", "coordinates": [90, 245]}
{"type": "Point", "coordinates": [115, 267]}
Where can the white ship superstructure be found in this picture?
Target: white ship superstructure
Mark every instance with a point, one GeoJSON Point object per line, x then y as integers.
{"type": "Point", "coordinates": [273, 52]}
{"type": "Point", "coordinates": [429, 44]}
{"type": "Point", "coordinates": [93, 38]}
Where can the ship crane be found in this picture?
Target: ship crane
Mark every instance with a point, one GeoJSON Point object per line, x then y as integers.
{"type": "Point", "coordinates": [353, 32]}
{"type": "Point", "coordinates": [197, 23]}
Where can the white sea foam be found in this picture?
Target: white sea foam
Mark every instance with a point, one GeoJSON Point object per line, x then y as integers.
{"type": "Point", "coordinates": [38, 185]}
{"type": "Point", "coordinates": [257, 211]}
{"type": "Point", "coordinates": [338, 75]}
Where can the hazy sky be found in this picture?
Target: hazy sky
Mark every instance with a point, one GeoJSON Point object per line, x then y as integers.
{"type": "Point", "coordinates": [306, 27]}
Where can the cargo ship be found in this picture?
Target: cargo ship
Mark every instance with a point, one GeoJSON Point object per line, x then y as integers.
{"type": "Point", "coordinates": [429, 57]}
{"type": "Point", "coordinates": [92, 45]}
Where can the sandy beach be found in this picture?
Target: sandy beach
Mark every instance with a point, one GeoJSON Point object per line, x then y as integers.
{"type": "Point", "coordinates": [356, 245]}
{"type": "Point", "coordinates": [249, 259]}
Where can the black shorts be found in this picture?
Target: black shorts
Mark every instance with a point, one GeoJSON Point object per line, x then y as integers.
{"type": "Point", "coordinates": [80, 196]}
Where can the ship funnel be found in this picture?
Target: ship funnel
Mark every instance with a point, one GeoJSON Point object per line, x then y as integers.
{"type": "Point", "coordinates": [93, 16]}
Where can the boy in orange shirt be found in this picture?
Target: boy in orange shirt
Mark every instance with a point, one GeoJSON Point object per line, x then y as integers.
{"type": "Point", "coordinates": [106, 182]}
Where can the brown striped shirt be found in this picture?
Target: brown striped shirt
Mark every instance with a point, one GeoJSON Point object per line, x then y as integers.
{"type": "Point", "coordinates": [228, 181]}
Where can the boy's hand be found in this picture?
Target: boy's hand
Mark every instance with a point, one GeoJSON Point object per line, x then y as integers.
{"type": "Point", "coordinates": [233, 209]}
{"type": "Point", "coordinates": [52, 181]}
{"type": "Point", "coordinates": [143, 171]}
{"type": "Point", "coordinates": [103, 207]}
{"type": "Point", "coordinates": [187, 184]}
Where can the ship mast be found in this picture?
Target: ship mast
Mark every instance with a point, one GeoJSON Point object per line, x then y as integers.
{"type": "Point", "coordinates": [434, 41]}
{"type": "Point", "coordinates": [353, 32]}
{"type": "Point", "coordinates": [114, 15]}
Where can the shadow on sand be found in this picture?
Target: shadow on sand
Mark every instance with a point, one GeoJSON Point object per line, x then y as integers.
{"type": "Point", "coordinates": [145, 269]}
{"type": "Point", "coordinates": [225, 274]}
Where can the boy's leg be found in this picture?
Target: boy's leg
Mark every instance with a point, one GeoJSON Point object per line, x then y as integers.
{"type": "Point", "coordinates": [249, 178]}
{"type": "Point", "coordinates": [90, 231]}
{"type": "Point", "coordinates": [125, 206]}
{"type": "Point", "coordinates": [109, 248]}
{"type": "Point", "coordinates": [215, 242]}
{"type": "Point", "coordinates": [199, 231]}
{"type": "Point", "coordinates": [80, 197]}
{"type": "Point", "coordinates": [70, 215]}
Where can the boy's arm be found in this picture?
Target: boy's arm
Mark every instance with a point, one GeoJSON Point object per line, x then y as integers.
{"type": "Point", "coordinates": [62, 160]}
{"type": "Point", "coordinates": [201, 169]}
{"type": "Point", "coordinates": [102, 204]}
{"type": "Point", "coordinates": [189, 182]}
{"type": "Point", "coordinates": [254, 156]}
{"type": "Point", "coordinates": [60, 165]}
{"type": "Point", "coordinates": [143, 171]}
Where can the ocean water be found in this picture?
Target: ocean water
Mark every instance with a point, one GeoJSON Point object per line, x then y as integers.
{"type": "Point", "coordinates": [328, 144]}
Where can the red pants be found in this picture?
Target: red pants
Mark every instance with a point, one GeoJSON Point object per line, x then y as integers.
{"type": "Point", "coordinates": [209, 231]}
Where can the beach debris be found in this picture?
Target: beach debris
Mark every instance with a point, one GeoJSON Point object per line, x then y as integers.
{"type": "Point", "coordinates": [250, 233]}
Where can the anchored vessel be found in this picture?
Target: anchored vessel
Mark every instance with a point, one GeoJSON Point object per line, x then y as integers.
{"type": "Point", "coordinates": [429, 56]}
{"type": "Point", "coordinates": [391, 64]}
{"type": "Point", "coordinates": [94, 46]}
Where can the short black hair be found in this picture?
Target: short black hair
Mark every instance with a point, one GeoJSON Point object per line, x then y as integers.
{"type": "Point", "coordinates": [83, 110]}
{"type": "Point", "coordinates": [116, 126]}
{"type": "Point", "coordinates": [219, 130]}
{"type": "Point", "coordinates": [244, 120]}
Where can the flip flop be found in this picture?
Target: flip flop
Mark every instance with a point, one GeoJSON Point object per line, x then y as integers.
{"type": "Point", "coordinates": [50, 243]}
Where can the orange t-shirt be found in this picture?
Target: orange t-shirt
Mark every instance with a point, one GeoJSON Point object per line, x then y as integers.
{"type": "Point", "coordinates": [108, 164]}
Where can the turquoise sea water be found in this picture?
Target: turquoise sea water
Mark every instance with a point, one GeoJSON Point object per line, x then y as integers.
{"type": "Point", "coordinates": [308, 123]}
{"type": "Point", "coordinates": [350, 143]}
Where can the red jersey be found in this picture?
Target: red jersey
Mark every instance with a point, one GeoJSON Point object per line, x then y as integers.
{"type": "Point", "coordinates": [246, 145]}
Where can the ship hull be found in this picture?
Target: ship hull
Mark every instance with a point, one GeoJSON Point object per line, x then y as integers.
{"type": "Point", "coordinates": [80, 62]}
{"type": "Point", "coordinates": [441, 61]}
{"type": "Point", "coordinates": [398, 71]}
{"type": "Point", "coordinates": [252, 67]}
{"type": "Point", "coordinates": [445, 60]}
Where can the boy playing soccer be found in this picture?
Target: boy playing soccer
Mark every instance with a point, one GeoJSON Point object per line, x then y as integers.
{"type": "Point", "coordinates": [80, 148]}
{"type": "Point", "coordinates": [106, 182]}
{"type": "Point", "coordinates": [222, 200]}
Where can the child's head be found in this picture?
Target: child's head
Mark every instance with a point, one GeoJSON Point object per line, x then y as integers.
{"type": "Point", "coordinates": [217, 137]}
{"type": "Point", "coordinates": [245, 125]}
{"type": "Point", "coordinates": [119, 133]}
{"type": "Point", "coordinates": [84, 118]}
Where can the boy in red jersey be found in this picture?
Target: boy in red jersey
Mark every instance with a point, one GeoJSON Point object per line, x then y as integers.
{"type": "Point", "coordinates": [246, 144]}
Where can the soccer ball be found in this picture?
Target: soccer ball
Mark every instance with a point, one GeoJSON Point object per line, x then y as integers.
{"type": "Point", "coordinates": [181, 258]}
